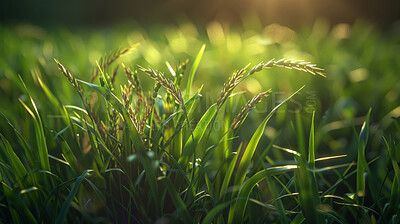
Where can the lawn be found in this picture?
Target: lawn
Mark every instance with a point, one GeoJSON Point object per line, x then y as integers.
{"type": "Point", "coordinates": [180, 123]}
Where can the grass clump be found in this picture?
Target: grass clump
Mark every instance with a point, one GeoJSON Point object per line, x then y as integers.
{"type": "Point", "coordinates": [132, 155]}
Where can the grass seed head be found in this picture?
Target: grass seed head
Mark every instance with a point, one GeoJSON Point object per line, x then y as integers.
{"type": "Point", "coordinates": [229, 86]}
{"type": "Point", "coordinates": [114, 74]}
{"type": "Point", "coordinates": [70, 77]}
{"type": "Point", "coordinates": [166, 83]}
{"type": "Point", "coordinates": [247, 108]}
{"type": "Point", "coordinates": [290, 64]}
{"type": "Point", "coordinates": [134, 81]}
{"type": "Point", "coordinates": [109, 58]}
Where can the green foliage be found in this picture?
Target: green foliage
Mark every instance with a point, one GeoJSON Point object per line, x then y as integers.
{"type": "Point", "coordinates": [74, 150]}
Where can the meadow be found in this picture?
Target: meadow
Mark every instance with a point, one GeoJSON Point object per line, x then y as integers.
{"type": "Point", "coordinates": [182, 124]}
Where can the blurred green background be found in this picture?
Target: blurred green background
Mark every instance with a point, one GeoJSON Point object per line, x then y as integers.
{"type": "Point", "coordinates": [293, 13]}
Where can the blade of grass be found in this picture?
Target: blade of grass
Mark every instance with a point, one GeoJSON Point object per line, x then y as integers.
{"type": "Point", "coordinates": [311, 146]}
{"type": "Point", "coordinates": [216, 211]}
{"type": "Point", "coordinates": [62, 109]}
{"type": "Point", "coordinates": [278, 201]}
{"type": "Point", "coordinates": [361, 161]}
{"type": "Point", "coordinates": [198, 133]}
{"type": "Point", "coordinates": [264, 153]}
{"type": "Point", "coordinates": [61, 218]}
{"type": "Point", "coordinates": [228, 175]}
{"type": "Point", "coordinates": [304, 183]}
{"type": "Point", "coordinates": [18, 209]}
{"type": "Point", "coordinates": [111, 98]}
{"type": "Point", "coordinates": [39, 131]}
{"type": "Point", "coordinates": [24, 144]}
{"type": "Point", "coordinates": [69, 156]}
{"type": "Point", "coordinates": [193, 71]}
{"type": "Point", "coordinates": [150, 167]}
{"type": "Point", "coordinates": [249, 151]}
{"type": "Point", "coordinates": [394, 199]}
{"type": "Point", "coordinates": [18, 168]}
{"type": "Point", "coordinates": [298, 219]}
{"type": "Point", "coordinates": [344, 177]}
{"type": "Point", "coordinates": [240, 205]}
{"type": "Point", "coordinates": [176, 199]}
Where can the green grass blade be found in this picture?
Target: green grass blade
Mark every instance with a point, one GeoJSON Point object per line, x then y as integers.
{"type": "Point", "coordinates": [111, 98]}
{"type": "Point", "coordinates": [91, 133]}
{"type": "Point", "coordinates": [69, 156]}
{"type": "Point", "coordinates": [361, 161]}
{"type": "Point", "coordinates": [176, 145]}
{"type": "Point", "coordinates": [54, 101]}
{"type": "Point", "coordinates": [300, 139]}
{"type": "Point", "coordinates": [177, 200]}
{"type": "Point", "coordinates": [210, 188]}
{"type": "Point", "coordinates": [23, 143]}
{"type": "Point", "coordinates": [198, 133]}
{"type": "Point", "coordinates": [311, 144]}
{"type": "Point", "coordinates": [18, 209]}
{"type": "Point", "coordinates": [173, 73]}
{"type": "Point", "coordinates": [249, 151]}
{"type": "Point", "coordinates": [298, 219]}
{"type": "Point", "coordinates": [50, 196]}
{"type": "Point", "coordinates": [394, 199]}
{"type": "Point", "coordinates": [240, 206]}
{"type": "Point", "coordinates": [160, 133]}
{"type": "Point", "coordinates": [278, 200]}
{"type": "Point", "coordinates": [228, 175]}
{"type": "Point", "coordinates": [16, 164]}
{"type": "Point", "coordinates": [251, 147]}
{"type": "Point", "coordinates": [150, 167]}
{"type": "Point", "coordinates": [62, 110]}
{"type": "Point", "coordinates": [304, 182]}
{"type": "Point", "coordinates": [39, 131]}
{"type": "Point", "coordinates": [67, 203]}
{"type": "Point", "coordinates": [263, 154]}
{"type": "Point", "coordinates": [193, 102]}
{"type": "Point", "coordinates": [193, 71]}
{"type": "Point", "coordinates": [216, 211]}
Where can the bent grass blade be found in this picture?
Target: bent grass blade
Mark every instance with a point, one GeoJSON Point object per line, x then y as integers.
{"type": "Point", "coordinates": [248, 154]}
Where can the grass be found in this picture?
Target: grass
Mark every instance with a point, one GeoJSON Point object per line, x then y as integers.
{"type": "Point", "coordinates": [144, 140]}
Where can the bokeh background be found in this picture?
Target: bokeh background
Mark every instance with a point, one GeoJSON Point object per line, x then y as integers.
{"type": "Point", "coordinates": [292, 13]}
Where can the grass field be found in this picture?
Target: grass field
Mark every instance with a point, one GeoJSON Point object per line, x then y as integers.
{"type": "Point", "coordinates": [171, 124]}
